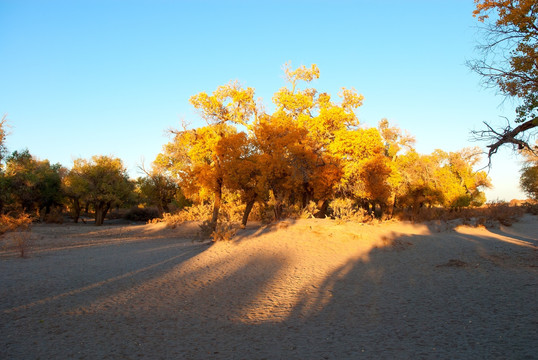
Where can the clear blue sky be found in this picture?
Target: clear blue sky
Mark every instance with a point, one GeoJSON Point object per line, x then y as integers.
{"type": "Point", "coordinates": [80, 78]}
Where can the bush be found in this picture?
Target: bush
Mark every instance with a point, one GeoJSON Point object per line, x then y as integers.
{"type": "Point", "coordinates": [197, 212]}
{"type": "Point", "coordinates": [229, 212]}
{"type": "Point", "coordinates": [224, 231]}
{"type": "Point", "coordinates": [531, 208]}
{"type": "Point", "coordinates": [171, 220]}
{"type": "Point", "coordinates": [262, 212]}
{"type": "Point", "coordinates": [345, 210]}
{"type": "Point", "coordinates": [19, 226]}
{"type": "Point", "coordinates": [141, 214]}
{"type": "Point", "coordinates": [503, 213]}
{"type": "Point", "coordinates": [232, 211]}
{"type": "Point", "coordinates": [55, 216]}
{"type": "Point", "coordinates": [423, 214]}
{"type": "Point", "coordinates": [489, 215]}
{"type": "Point", "coordinates": [309, 211]}
{"type": "Point", "coordinates": [10, 223]}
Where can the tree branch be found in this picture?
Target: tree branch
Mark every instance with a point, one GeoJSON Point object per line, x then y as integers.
{"type": "Point", "coordinates": [508, 135]}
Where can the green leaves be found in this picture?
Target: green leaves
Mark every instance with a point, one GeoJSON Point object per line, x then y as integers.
{"type": "Point", "coordinates": [101, 179]}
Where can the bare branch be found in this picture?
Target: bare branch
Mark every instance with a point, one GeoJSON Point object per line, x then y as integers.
{"type": "Point", "coordinates": [507, 135]}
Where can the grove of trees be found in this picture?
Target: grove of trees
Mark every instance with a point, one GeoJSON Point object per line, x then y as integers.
{"type": "Point", "coordinates": [312, 148]}
{"type": "Point", "coordinates": [43, 190]}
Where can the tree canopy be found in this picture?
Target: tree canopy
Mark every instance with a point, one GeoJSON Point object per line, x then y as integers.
{"type": "Point", "coordinates": [31, 184]}
{"type": "Point", "coordinates": [101, 181]}
{"type": "Point", "coordinates": [310, 149]}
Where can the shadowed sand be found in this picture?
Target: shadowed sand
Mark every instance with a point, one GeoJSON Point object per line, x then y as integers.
{"type": "Point", "coordinates": [306, 289]}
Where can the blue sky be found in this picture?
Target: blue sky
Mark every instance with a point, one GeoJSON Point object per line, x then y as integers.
{"type": "Point", "coordinates": [80, 78]}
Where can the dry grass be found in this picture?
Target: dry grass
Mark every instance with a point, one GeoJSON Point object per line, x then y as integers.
{"type": "Point", "coordinates": [225, 231]}
{"type": "Point", "coordinates": [19, 227]}
{"type": "Point", "coordinates": [171, 220]}
{"type": "Point", "coordinates": [344, 210]}
{"type": "Point", "coordinates": [490, 215]}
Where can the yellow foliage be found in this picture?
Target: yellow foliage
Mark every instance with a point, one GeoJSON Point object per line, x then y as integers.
{"type": "Point", "coordinates": [228, 104]}
{"type": "Point", "coordinates": [10, 223]}
{"type": "Point", "coordinates": [309, 150]}
{"type": "Point", "coordinates": [301, 73]}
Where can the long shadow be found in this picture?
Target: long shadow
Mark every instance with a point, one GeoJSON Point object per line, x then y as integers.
{"type": "Point", "coordinates": [85, 278]}
{"type": "Point", "coordinates": [477, 300]}
{"type": "Point", "coordinates": [440, 295]}
{"type": "Point", "coordinates": [254, 230]}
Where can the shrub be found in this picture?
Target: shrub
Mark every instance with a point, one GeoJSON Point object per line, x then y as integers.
{"type": "Point", "coordinates": [423, 214]}
{"type": "Point", "coordinates": [10, 223]}
{"type": "Point", "coordinates": [345, 210]}
{"type": "Point", "coordinates": [232, 211]}
{"type": "Point", "coordinates": [55, 216]}
{"type": "Point", "coordinates": [19, 226]}
{"type": "Point", "coordinates": [197, 212]}
{"type": "Point", "coordinates": [141, 214]}
{"type": "Point", "coordinates": [309, 211]}
{"type": "Point", "coordinates": [229, 212]}
{"type": "Point", "coordinates": [171, 220]}
{"type": "Point", "coordinates": [225, 231]}
{"type": "Point", "coordinates": [262, 212]}
{"type": "Point", "coordinates": [489, 215]}
{"type": "Point", "coordinates": [192, 213]}
{"type": "Point", "coordinates": [503, 213]}
{"type": "Point", "coordinates": [531, 208]}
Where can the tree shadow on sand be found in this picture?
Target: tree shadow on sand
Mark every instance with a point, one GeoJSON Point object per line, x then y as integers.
{"type": "Point", "coordinates": [438, 294]}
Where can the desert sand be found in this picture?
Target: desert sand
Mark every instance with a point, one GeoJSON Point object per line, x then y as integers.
{"type": "Point", "coordinates": [297, 289]}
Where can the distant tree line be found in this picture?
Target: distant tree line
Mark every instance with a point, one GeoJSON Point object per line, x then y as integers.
{"type": "Point", "coordinates": [95, 186]}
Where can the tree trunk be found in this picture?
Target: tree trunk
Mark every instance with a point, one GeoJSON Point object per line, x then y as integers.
{"type": "Point", "coordinates": [216, 206]}
{"type": "Point", "coordinates": [307, 195]}
{"type": "Point", "coordinates": [391, 205]}
{"type": "Point", "coordinates": [107, 207]}
{"type": "Point", "coordinates": [278, 210]}
{"type": "Point", "coordinates": [76, 209]}
{"type": "Point", "coordinates": [99, 213]}
{"type": "Point", "coordinates": [322, 213]}
{"type": "Point", "coordinates": [250, 204]}
{"type": "Point", "coordinates": [278, 207]}
{"type": "Point", "coordinates": [378, 210]}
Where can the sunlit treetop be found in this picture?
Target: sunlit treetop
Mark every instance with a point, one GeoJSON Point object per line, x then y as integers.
{"type": "Point", "coordinates": [228, 104]}
{"type": "Point", "coordinates": [301, 73]}
{"type": "Point", "coordinates": [395, 139]}
{"type": "Point", "coordinates": [316, 112]}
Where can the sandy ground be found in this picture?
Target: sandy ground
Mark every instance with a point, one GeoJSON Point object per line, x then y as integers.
{"type": "Point", "coordinates": [307, 289]}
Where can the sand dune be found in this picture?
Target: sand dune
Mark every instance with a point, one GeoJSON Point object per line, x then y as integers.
{"type": "Point", "coordinates": [305, 289]}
